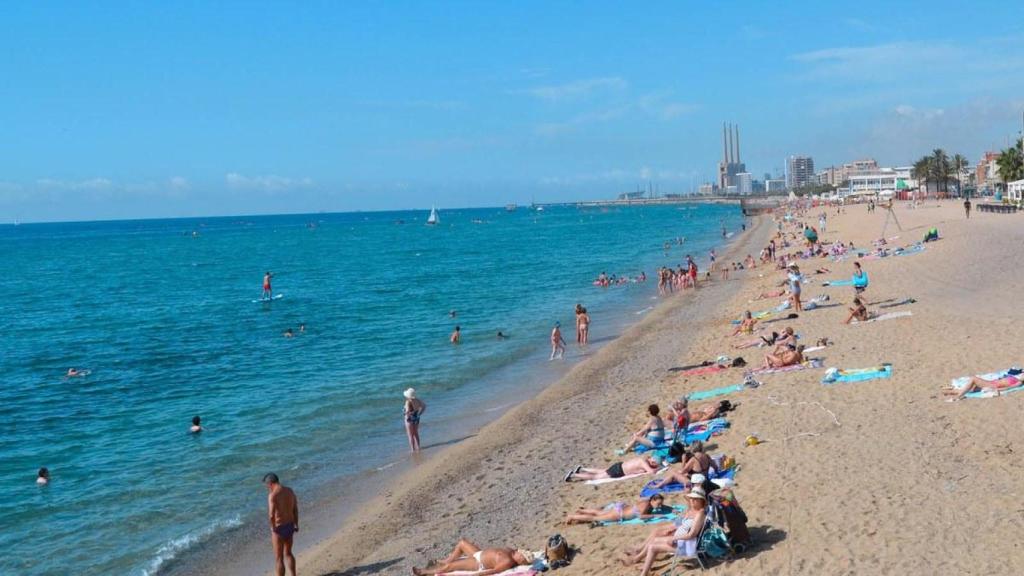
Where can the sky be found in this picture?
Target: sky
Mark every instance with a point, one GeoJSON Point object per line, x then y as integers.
{"type": "Point", "coordinates": [115, 110]}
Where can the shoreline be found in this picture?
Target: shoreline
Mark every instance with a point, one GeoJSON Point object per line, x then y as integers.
{"type": "Point", "coordinates": [352, 543]}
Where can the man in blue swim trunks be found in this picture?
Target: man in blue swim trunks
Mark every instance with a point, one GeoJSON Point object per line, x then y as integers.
{"type": "Point", "coordinates": [283, 508]}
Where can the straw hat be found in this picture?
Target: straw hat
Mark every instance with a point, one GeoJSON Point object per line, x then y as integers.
{"type": "Point", "coordinates": [697, 492]}
{"type": "Point", "coordinates": [410, 393]}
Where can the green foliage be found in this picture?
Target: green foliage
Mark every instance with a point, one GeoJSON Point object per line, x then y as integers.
{"type": "Point", "coordinates": [1011, 163]}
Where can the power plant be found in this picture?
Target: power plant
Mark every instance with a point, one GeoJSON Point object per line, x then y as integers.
{"type": "Point", "coordinates": [730, 165]}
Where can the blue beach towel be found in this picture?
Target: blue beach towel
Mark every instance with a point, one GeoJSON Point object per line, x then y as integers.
{"type": "Point", "coordinates": [649, 489]}
{"type": "Point", "coordinates": [960, 383]}
{"type": "Point", "coordinates": [701, 431]}
{"type": "Point", "coordinates": [835, 376]}
{"type": "Point", "coordinates": [705, 394]}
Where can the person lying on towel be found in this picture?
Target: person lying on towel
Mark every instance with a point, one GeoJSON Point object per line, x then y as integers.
{"type": "Point", "coordinates": [469, 557]}
{"type": "Point", "coordinates": [788, 357]}
{"type": "Point", "coordinates": [646, 464]}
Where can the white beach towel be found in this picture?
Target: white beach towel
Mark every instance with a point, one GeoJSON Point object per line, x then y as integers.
{"type": "Point", "coordinates": [887, 316]}
{"type": "Point", "coordinates": [626, 477]}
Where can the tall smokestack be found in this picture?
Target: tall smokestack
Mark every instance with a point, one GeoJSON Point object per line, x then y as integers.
{"type": "Point", "coordinates": [725, 146]}
{"type": "Point", "coordinates": [737, 144]}
{"type": "Point", "coordinates": [730, 159]}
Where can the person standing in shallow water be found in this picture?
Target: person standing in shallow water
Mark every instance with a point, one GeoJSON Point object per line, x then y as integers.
{"type": "Point", "coordinates": [267, 291]}
{"type": "Point", "coordinates": [557, 342]}
{"type": "Point", "coordinates": [283, 511]}
{"type": "Point", "coordinates": [414, 409]}
{"type": "Point", "coordinates": [456, 336]}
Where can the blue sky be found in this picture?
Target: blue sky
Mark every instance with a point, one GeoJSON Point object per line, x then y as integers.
{"type": "Point", "coordinates": [120, 110]}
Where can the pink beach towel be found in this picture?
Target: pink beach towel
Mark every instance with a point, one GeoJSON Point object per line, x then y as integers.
{"type": "Point", "coordinates": [703, 370]}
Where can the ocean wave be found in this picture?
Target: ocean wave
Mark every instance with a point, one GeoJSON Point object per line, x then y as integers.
{"type": "Point", "coordinates": [172, 549]}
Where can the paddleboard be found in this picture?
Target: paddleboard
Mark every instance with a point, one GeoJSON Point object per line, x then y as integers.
{"type": "Point", "coordinates": [274, 297]}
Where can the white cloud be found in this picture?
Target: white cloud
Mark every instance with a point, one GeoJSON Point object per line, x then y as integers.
{"type": "Point", "coordinates": [89, 184]}
{"type": "Point", "coordinates": [179, 183]}
{"type": "Point", "coordinates": [618, 176]}
{"type": "Point", "coordinates": [268, 183]}
{"type": "Point", "coordinates": [577, 89]}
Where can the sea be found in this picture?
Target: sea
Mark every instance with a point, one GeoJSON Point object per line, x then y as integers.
{"type": "Point", "coordinates": [164, 318]}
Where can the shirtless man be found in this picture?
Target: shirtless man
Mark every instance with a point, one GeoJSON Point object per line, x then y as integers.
{"type": "Point", "coordinates": [267, 292]}
{"type": "Point", "coordinates": [456, 336]}
{"type": "Point", "coordinates": [557, 342]}
{"type": "Point", "coordinates": [644, 465]}
{"type": "Point", "coordinates": [468, 557]}
{"type": "Point", "coordinates": [283, 509]}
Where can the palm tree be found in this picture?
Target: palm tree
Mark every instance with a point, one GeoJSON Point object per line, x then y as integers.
{"type": "Point", "coordinates": [940, 169]}
{"type": "Point", "coordinates": [1011, 163]}
{"type": "Point", "coordinates": [922, 172]}
{"type": "Point", "coordinates": [959, 162]}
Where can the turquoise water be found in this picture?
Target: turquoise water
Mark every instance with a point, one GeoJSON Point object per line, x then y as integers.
{"type": "Point", "coordinates": [165, 322]}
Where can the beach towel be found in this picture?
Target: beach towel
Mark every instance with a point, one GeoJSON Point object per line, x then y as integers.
{"type": "Point", "coordinates": [835, 375]}
{"type": "Point", "coordinates": [886, 316]}
{"type": "Point", "coordinates": [626, 477]}
{"type": "Point", "coordinates": [814, 348]}
{"type": "Point", "coordinates": [660, 518]}
{"type": "Point", "coordinates": [812, 363]}
{"type": "Point", "coordinates": [758, 316]}
{"type": "Point", "coordinates": [517, 571]}
{"type": "Point", "coordinates": [861, 283]}
{"type": "Point", "coordinates": [705, 394]}
{"type": "Point", "coordinates": [910, 250]}
{"type": "Point", "coordinates": [963, 381]}
{"type": "Point", "coordinates": [701, 431]}
{"type": "Point", "coordinates": [703, 370]}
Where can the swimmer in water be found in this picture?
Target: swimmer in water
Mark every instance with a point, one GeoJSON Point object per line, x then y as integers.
{"type": "Point", "coordinates": [453, 313]}
{"type": "Point", "coordinates": [557, 342]}
{"type": "Point", "coordinates": [289, 333]}
{"type": "Point", "coordinates": [267, 291]}
{"type": "Point", "coordinates": [456, 336]}
{"type": "Point", "coordinates": [197, 427]}
{"type": "Point", "coordinates": [502, 336]}
{"type": "Point", "coordinates": [43, 478]}
{"type": "Point", "coordinates": [302, 328]}
{"type": "Point", "coordinates": [73, 372]}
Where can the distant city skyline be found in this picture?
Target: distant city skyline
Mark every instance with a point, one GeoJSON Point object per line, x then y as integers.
{"type": "Point", "coordinates": [166, 110]}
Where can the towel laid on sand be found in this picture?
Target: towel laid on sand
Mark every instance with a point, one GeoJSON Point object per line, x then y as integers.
{"type": "Point", "coordinates": [812, 363]}
{"type": "Point", "coordinates": [517, 571]}
{"type": "Point", "coordinates": [701, 431]}
{"type": "Point", "coordinates": [703, 370]}
{"type": "Point", "coordinates": [836, 375]}
{"type": "Point", "coordinates": [626, 477]}
{"type": "Point", "coordinates": [963, 381]}
{"type": "Point", "coordinates": [886, 316]}
{"type": "Point", "coordinates": [705, 394]}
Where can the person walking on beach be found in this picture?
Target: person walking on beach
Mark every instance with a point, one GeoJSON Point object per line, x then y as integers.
{"type": "Point", "coordinates": [267, 292]}
{"type": "Point", "coordinates": [557, 342]}
{"type": "Point", "coordinates": [795, 280]}
{"type": "Point", "coordinates": [283, 511]}
{"type": "Point", "coordinates": [711, 256]}
{"type": "Point", "coordinates": [414, 409]}
{"type": "Point", "coordinates": [967, 207]}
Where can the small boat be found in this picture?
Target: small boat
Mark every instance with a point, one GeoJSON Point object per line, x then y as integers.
{"type": "Point", "coordinates": [511, 207]}
{"type": "Point", "coordinates": [433, 219]}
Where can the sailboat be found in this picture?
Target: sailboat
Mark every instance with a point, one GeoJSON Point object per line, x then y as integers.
{"type": "Point", "coordinates": [433, 219]}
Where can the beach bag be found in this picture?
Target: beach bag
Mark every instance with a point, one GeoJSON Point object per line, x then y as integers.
{"type": "Point", "coordinates": [739, 362]}
{"type": "Point", "coordinates": [715, 543]}
{"type": "Point", "coordinates": [556, 552]}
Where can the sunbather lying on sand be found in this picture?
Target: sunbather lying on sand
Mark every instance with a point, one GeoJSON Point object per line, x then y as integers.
{"type": "Point", "coordinates": [978, 385]}
{"type": "Point", "coordinates": [694, 461]}
{"type": "Point", "coordinates": [652, 434]}
{"type": "Point", "coordinates": [787, 357]}
{"type": "Point", "coordinates": [772, 294]}
{"type": "Point", "coordinates": [671, 539]}
{"type": "Point", "coordinates": [697, 414]}
{"type": "Point", "coordinates": [787, 337]}
{"type": "Point", "coordinates": [469, 557]}
{"type": "Point", "coordinates": [644, 465]}
{"type": "Point", "coordinates": [644, 508]}
{"type": "Point", "coordinates": [859, 312]}
{"type": "Point", "coordinates": [746, 325]}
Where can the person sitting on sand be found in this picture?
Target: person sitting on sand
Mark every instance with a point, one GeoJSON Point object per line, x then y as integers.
{"type": "Point", "coordinates": [788, 357]}
{"type": "Point", "coordinates": [978, 385]}
{"type": "Point", "coordinates": [859, 312]}
{"type": "Point", "coordinates": [679, 415]}
{"type": "Point", "coordinates": [671, 539]}
{"type": "Point", "coordinates": [785, 340]}
{"type": "Point", "coordinates": [651, 435]}
{"type": "Point", "coordinates": [695, 461]}
{"type": "Point", "coordinates": [646, 464]}
{"type": "Point", "coordinates": [746, 325]}
{"type": "Point", "coordinates": [468, 557]}
{"type": "Point", "coordinates": [644, 509]}
{"type": "Point", "coordinates": [197, 426]}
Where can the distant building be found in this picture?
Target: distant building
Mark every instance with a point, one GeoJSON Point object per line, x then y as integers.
{"type": "Point", "coordinates": [1015, 191]}
{"type": "Point", "coordinates": [986, 173]}
{"type": "Point", "coordinates": [799, 171]}
{"type": "Point", "coordinates": [879, 181]}
{"type": "Point", "coordinates": [707, 189]}
{"type": "Point", "coordinates": [730, 165]}
{"type": "Point", "coordinates": [730, 190]}
{"type": "Point", "coordinates": [774, 185]}
{"type": "Point", "coordinates": [744, 183]}
{"type": "Point", "coordinates": [639, 194]}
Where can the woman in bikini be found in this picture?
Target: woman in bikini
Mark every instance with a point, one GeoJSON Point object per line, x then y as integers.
{"type": "Point", "coordinates": [414, 409]}
{"type": "Point", "coordinates": [695, 461]}
{"type": "Point", "coordinates": [679, 538]}
{"type": "Point", "coordinates": [652, 434]}
{"type": "Point", "coordinates": [859, 312]}
{"type": "Point", "coordinates": [787, 357]}
{"type": "Point", "coordinates": [618, 512]}
{"type": "Point", "coordinates": [978, 385]}
{"type": "Point", "coordinates": [583, 320]}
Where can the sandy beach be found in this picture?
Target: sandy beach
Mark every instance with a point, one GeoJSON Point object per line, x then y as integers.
{"type": "Point", "coordinates": [875, 477]}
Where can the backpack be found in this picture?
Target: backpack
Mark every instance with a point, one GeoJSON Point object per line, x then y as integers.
{"type": "Point", "coordinates": [557, 552]}
{"type": "Point", "coordinates": [714, 542]}
{"type": "Point", "coordinates": [676, 451]}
